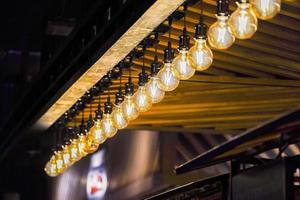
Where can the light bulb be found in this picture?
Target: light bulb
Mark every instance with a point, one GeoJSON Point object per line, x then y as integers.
{"type": "Point", "coordinates": [154, 91]}
{"type": "Point", "coordinates": [108, 126]}
{"type": "Point", "coordinates": [60, 167]}
{"type": "Point", "coordinates": [119, 117]}
{"type": "Point", "coordinates": [243, 21]}
{"type": "Point", "coordinates": [266, 9]}
{"type": "Point", "coordinates": [97, 135]}
{"type": "Point", "coordinates": [66, 154]}
{"type": "Point", "coordinates": [220, 34]}
{"type": "Point", "coordinates": [74, 150]}
{"type": "Point", "coordinates": [82, 145]}
{"type": "Point", "coordinates": [168, 78]}
{"type": "Point", "coordinates": [201, 55]}
{"type": "Point", "coordinates": [129, 108]}
{"type": "Point", "coordinates": [142, 99]}
{"type": "Point", "coordinates": [50, 167]}
{"type": "Point", "coordinates": [183, 65]}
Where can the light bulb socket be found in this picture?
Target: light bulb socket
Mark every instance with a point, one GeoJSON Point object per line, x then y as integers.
{"type": "Point", "coordinates": [98, 113]}
{"type": "Point", "coordinates": [243, 1]}
{"type": "Point", "coordinates": [223, 8]}
{"type": "Point", "coordinates": [106, 81]}
{"type": "Point", "coordinates": [201, 31]}
{"type": "Point", "coordinates": [169, 53]}
{"type": "Point", "coordinates": [155, 66]}
{"type": "Point", "coordinates": [58, 147]}
{"type": "Point", "coordinates": [143, 78]}
{"type": "Point", "coordinates": [108, 106]}
{"type": "Point", "coordinates": [129, 88]}
{"type": "Point", "coordinates": [90, 122]}
{"type": "Point", "coordinates": [83, 129]}
{"type": "Point", "coordinates": [184, 41]}
{"type": "Point", "coordinates": [119, 97]}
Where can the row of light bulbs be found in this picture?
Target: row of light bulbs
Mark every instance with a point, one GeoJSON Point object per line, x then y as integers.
{"type": "Point", "coordinates": [242, 24]}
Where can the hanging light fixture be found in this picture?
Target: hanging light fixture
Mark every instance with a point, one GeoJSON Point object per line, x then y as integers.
{"type": "Point", "coordinates": [50, 167]}
{"type": "Point", "coordinates": [92, 143]}
{"type": "Point", "coordinates": [108, 126]}
{"type": "Point", "coordinates": [82, 140]}
{"type": "Point", "coordinates": [219, 34]}
{"type": "Point", "coordinates": [129, 107]}
{"type": "Point", "coordinates": [182, 63]}
{"type": "Point", "coordinates": [153, 89]}
{"type": "Point", "coordinates": [74, 144]}
{"type": "Point", "coordinates": [66, 154]}
{"type": "Point", "coordinates": [118, 115]}
{"type": "Point", "coordinates": [243, 21]}
{"type": "Point", "coordinates": [168, 76]}
{"type": "Point", "coordinates": [142, 98]}
{"type": "Point", "coordinates": [266, 9]}
{"type": "Point", "coordinates": [58, 155]}
{"type": "Point", "coordinates": [200, 54]}
{"type": "Point", "coordinates": [97, 136]}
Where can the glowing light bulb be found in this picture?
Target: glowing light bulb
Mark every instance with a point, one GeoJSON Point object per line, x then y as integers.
{"type": "Point", "coordinates": [60, 167]}
{"type": "Point", "coordinates": [74, 150]}
{"type": "Point", "coordinates": [92, 144]}
{"type": "Point", "coordinates": [142, 99]}
{"type": "Point", "coordinates": [201, 55]}
{"type": "Point", "coordinates": [220, 34]}
{"type": "Point", "coordinates": [168, 78]}
{"type": "Point", "coordinates": [183, 65]}
{"type": "Point", "coordinates": [82, 145]}
{"type": "Point", "coordinates": [66, 154]}
{"type": "Point", "coordinates": [119, 117]}
{"type": "Point", "coordinates": [108, 126]}
{"type": "Point", "coordinates": [154, 90]}
{"type": "Point", "coordinates": [243, 21]}
{"type": "Point", "coordinates": [96, 136]}
{"type": "Point", "coordinates": [129, 108]}
{"type": "Point", "coordinates": [50, 167]}
{"type": "Point", "coordinates": [266, 9]}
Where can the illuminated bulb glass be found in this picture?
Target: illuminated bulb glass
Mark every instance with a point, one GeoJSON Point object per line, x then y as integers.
{"type": "Point", "coordinates": [129, 108]}
{"type": "Point", "coordinates": [201, 55]}
{"type": "Point", "coordinates": [82, 145]}
{"type": "Point", "coordinates": [266, 9]}
{"type": "Point", "coordinates": [108, 126]}
{"type": "Point", "coordinates": [66, 154]}
{"type": "Point", "coordinates": [60, 167]}
{"type": "Point", "coordinates": [243, 21]}
{"type": "Point", "coordinates": [142, 99]}
{"type": "Point", "coordinates": [220, 34]}
{"type": "Point", "coordinates": [74, 150]}
{"type": "Point", "coordinates": [168, 78]}
{"type": "Point", "coordinates": [50, 168]}
{"type": "Point", "coordinates": [119, 117]}
{"type": "Point", "coordinates": [97, 135]}
{"type": "Point", "coordinates": [92, 144]}
{"type": "Point", "coordinates": [183, 65]}
{"type": "Point", "coordinates": [154, 91]}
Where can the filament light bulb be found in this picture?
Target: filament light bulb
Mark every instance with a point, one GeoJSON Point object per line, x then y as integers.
{"type": "Point", "coordinates": [201, 55]}
{"type": "Point", "coordinates": [82, 145]}
{"type": "Point", "coordinates": [183, 65]}
{"type": "Point", "coordinates": [142, 99]}
{"type": "Point", "coordinates": [108, 126]}
{"type": "Point", "coordinates": [266, 9]}
{"type": "Point", "coordinates": [168, 78]}
{"type": "Point", "coordinates": [96, 136]}
{"type": "Point", "coordinates": [243, 21]}
{"type": "Point", "coordinates": [154, 90]}
{"type": "Point", "coordinates": [74, 150]}
{"type": "Point", "coordinates": [60, 167]}
{"type": "Point", "coordinates": [50, 167]}
{"type": "Point", "coordinates": [119, 117]}
{"type": "Point", "coordinates": [219, 34]}
{"type": "Point", "coordinates": [66, 154]}
{"type": "Point", "coordinates": [129, 108]}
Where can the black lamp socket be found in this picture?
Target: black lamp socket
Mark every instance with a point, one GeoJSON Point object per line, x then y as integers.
{"type": "Point", "coordinates": [143, 78]}
{"type": "Point", "coordinates": [201, 31]}
{"type": "Point", "coordinates": [129, 88]}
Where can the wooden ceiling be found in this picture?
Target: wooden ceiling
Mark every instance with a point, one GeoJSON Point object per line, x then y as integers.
{"type": "Point", "coordinates": [253, 81]}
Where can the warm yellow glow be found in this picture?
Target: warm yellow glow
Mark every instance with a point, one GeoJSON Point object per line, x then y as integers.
{"type": "Point", "coordinates": [66, 156]}
{"type": "Point", "coordinates": [243, 21]}
{"type": "Point", "coordinates": [142, 99]}
{"type": "Point", "coordinates": [129, 108]}
{"type": "Point", "coordinates": [119, 118]}
{"type": "Point", "coordinates": [82, 145]}
{"type": "Point", "coordinates": [266, 9]}
{"type": "Point", "coordinates": [92, 144]}
{"type": "Point", "coordinates": [108, 126]}
{"type": "Point", "coordinates": [96, 134]}
{"type": "Point", "coordinates": [201, 55]}
{"type": "Point", "coordinates": [74, 150]}
{"type": "Point", "coordinates": [183, 65]}
{"type": "Point", "coordinates": [168, 78]}
{"type": "Point", "coordinates": [60, 167]}
{"type": "Point", "coordinates": [50, 167]}
{"type": "Point", "coordinates": [154, 91]}
{"type": "Point", "coordinates": [220, 34]}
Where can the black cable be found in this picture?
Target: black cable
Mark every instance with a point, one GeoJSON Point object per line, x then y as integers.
{"type": "Point", "coordinates": [201, 13]}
